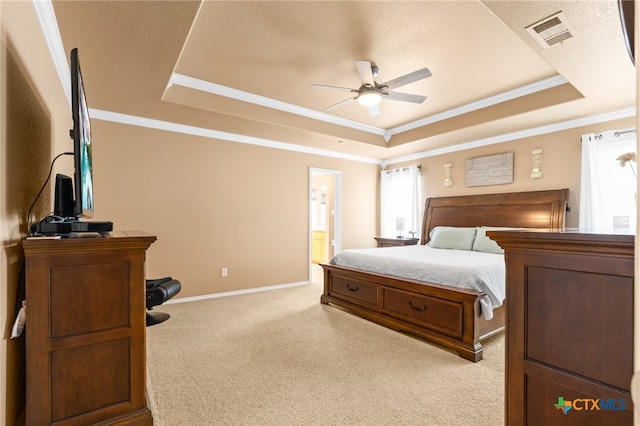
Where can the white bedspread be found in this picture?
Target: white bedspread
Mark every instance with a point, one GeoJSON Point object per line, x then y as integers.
{"type": "Point", "coordinates": [466, 269]}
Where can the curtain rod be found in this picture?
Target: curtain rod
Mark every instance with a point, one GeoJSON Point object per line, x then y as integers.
{"type": "Point", "coordinates": [617, 133]}
{"type": "Point", "coordinates": [419, 167]}
{"type": "Point", "coordinates": [622, 132]}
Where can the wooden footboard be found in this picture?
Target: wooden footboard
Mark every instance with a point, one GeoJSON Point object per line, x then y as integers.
{"type": "Point", "coordinates": [443, 315]}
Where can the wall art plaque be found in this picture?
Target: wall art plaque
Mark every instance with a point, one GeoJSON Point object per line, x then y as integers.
{"type": "Point", "coordinates": [490, 170]}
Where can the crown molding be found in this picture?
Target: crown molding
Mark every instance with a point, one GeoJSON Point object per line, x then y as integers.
{"type": "Point", "coordinates": [49, 25]}
{"type": "Point", "coordinates": [507, 137]}
{"type": "Point", "coordinates": [519, 92]}
{"type": "Point", "coordinates": [228, 92]}
{"type": "Point", "coordinates": [216, 134]}
{"type": "Point", "coordinates": [387, 134]}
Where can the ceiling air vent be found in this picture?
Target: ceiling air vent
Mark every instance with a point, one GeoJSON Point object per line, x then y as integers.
{"type": "Point", "coordinates": [552, 30]}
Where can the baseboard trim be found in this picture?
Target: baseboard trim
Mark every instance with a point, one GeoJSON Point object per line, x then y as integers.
{"type": "Point", "coordinates": [236, 292]}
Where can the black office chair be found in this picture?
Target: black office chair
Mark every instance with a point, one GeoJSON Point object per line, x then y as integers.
{"type": "Point", "coordinates": [160, 290]}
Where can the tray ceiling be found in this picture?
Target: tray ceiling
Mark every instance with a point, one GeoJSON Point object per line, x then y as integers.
{"type": "Point", "coordinates": [246, 68]}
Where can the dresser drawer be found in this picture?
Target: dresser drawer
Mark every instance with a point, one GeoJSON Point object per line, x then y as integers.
{"type": "Point", "coordinates": [354, 291]}
{"type": "Point", "coordinates": [424, 310]}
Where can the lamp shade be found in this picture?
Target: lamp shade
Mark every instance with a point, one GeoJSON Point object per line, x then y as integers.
{"type": "Point", "coordinates": [369, 97]}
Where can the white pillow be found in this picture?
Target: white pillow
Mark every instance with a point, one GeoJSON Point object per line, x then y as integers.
{"type": "Point", "coordinates": [484, 243]}
{"type": "Point", "coordinates": [449, 237]}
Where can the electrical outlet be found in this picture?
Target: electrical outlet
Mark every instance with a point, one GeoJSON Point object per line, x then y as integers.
{"type": "Point", "coordinates": [223, 272]}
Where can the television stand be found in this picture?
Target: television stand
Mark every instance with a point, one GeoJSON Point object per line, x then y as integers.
{"type": "Point", "coordinates": [85, 332]}
{"type": "Point", "coordinates": [66, 227]}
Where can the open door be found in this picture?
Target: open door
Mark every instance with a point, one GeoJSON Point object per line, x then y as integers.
{"type": "Point", "coordinates": [324, 215]}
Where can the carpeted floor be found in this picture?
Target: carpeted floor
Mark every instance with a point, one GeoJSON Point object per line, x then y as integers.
{"type": "Point", "coordinates": [279, 357]}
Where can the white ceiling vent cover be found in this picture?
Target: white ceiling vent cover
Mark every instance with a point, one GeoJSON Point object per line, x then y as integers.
{"type": "Point", "coordinates": [552, 30]}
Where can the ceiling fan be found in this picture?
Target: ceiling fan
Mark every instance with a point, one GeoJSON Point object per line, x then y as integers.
{"type": "Point", "coordinates": [371, 93]}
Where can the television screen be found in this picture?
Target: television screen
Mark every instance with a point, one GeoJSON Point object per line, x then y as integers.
{"type": "Point", "coordinates": [81, 134]}
{"type": "Point", "coordinates": [74, 198]}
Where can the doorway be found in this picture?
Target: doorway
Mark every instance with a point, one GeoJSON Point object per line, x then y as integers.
{"type": "Point", "coordinates": [324, 218]}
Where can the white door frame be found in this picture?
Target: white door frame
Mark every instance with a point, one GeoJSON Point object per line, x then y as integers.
{"type": "Point", "coordinates": [337, 217]}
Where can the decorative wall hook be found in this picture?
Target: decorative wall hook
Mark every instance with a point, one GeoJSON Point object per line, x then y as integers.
{"type": "Point", "coordinates": [447, 175]}
{"type": "Point", "coordinates": [536, 163]}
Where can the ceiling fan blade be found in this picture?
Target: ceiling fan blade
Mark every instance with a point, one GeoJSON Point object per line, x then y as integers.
{"type": "Point", "coordinates": [404, 97]}
{"type": "Point", "coordinates": [346, 101]}
{"type": "Point", "coordinates": [408, 78]}
{"type": "Point", "coordinates": [374, 110]}
{"type": "Point", "coordinates": [322, 86]}
{"type": "Point", "coordinates": [364, 71]}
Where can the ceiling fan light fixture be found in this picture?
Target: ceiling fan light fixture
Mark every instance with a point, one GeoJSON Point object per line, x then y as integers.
{"type": "Point", "coordinates": [369, 98]}
{"type": "Point", "coordinates": [370, 93]}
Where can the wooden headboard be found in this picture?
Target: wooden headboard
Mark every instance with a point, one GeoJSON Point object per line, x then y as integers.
{"type": "Point", "coordinates": [535, 209]}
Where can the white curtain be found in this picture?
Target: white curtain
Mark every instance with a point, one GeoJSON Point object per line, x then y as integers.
{"type": "Point", "coordinates": [399, 195]}
{"type": "Point", "coordinates": [608, 190]}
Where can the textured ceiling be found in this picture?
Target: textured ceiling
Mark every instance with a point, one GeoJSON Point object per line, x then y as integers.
{"type": "Point", "coordinates": [246, 67]}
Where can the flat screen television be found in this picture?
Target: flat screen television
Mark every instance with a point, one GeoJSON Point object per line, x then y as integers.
{"type": "Point", "coordinates": [74, 197]}
{"type": "Point", "coordinates": [82, 149]}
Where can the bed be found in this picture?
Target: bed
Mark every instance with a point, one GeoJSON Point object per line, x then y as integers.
{"type": "Point", "coordinates": [448, 316]}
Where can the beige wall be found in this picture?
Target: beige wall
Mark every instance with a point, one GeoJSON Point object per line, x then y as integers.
{"type": "Point", "coordinates": [560, 166]}
{"type": "Point", "coordinates": [35, 119]}
{"type": "Point", "coordinates": [215, 204]}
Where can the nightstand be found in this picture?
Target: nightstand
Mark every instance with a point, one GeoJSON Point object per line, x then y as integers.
{"type": "Point", "coordinates": [393, 242]}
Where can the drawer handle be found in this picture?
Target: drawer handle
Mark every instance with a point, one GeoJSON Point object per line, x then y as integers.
{"type": "Point", "coordinates": [417, 308]}
{"type": "Point", "coordinates": [354, 289]}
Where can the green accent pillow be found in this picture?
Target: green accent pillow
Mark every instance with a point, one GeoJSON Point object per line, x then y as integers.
{"type": "Point", "coordinates": [450, 237]}
{"type": "Point", "coordinates": [486, 244]}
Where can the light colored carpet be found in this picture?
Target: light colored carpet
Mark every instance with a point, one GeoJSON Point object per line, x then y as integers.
{"type": "Point", "coordinates": [279, 357]}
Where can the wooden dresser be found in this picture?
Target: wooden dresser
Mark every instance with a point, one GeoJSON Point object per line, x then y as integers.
{"type": "Point", "coordinates": [569, 340]}
{"type": "Point", "coordinates": [85, 330]}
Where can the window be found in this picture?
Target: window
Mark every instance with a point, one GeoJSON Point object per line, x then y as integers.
{"type": "Point", "coordinates": [608, 190]}
{"type": "Point", "coordinates": [399, 196]}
